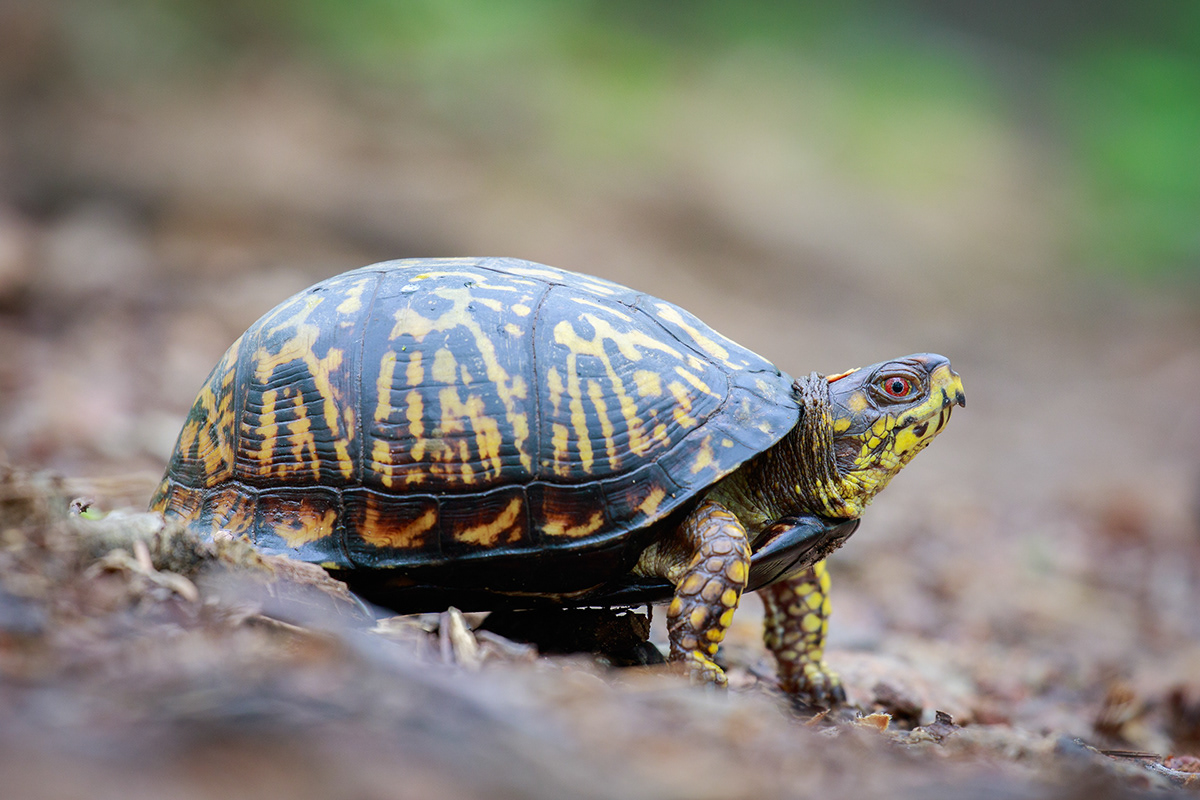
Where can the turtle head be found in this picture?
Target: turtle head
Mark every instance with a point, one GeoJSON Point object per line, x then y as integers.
{"type": "Point", "coordinates": [863, 426]}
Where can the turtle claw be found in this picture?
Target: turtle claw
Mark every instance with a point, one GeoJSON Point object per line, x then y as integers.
{"type": "Point", "coordinates": [816, 686]}
{"type": "Point", "coordinates": [703, 670]}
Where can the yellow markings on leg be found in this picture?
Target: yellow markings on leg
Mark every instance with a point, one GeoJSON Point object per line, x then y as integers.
{"type": "Point", "coordinates": [707, 590]}
{"type": "Point", "coordinates": [796, 621]}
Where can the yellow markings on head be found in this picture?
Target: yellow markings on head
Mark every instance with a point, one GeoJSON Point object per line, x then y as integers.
{"type": "Point", "coordinates": [704, 458]}
{"type": "Point", "coordinates": [379, 531]}
{"type": "Point", "coordinates": [841, 424]}
{"type": "Point", "coordinates": [857, 403]}
{"type": "Point", "coordinates": [695, 381]}
{"type": "Point", "coordinates": [648, 383]}
{"type": "Point", "coordinates": [652, 501]}
{"type": "Point", "coordinates": [727, 443]}
{"type": "Point", "coordinates": [708, 345]}
{"type": "Point", "coordinates": [560, 527]}
{"type": "Point", "coordinates": [488, 533]}
{"type": "Point", "coordinates": [383, 387]}
{"type": "Point", "coordinates": [521, 310]}
{"type": "Point", "coordinates": [596, 395]}
{"type": "Point", "coordinates": [353, 300]}
{"type": "Point", "coordinates": [444, 367]}
{"type": "Point", "coordinates": [490, 302]}
{"type": "Point", "coordinates": [512, 329]}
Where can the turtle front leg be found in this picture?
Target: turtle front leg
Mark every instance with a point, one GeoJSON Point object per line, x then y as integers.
{"type": "Point", "coordinates": [708, 561]}
{"type": "Point", "coordinates": [795, 624]}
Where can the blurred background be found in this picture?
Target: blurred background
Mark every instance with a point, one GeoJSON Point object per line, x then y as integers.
{"type": "Point", "coordinates": [1015, 185]}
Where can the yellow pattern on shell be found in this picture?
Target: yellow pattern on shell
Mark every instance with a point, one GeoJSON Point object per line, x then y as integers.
{"type": "Point", "coordinates": [488, 533]}
{"type": "Point", "coordinates": [558, 527]}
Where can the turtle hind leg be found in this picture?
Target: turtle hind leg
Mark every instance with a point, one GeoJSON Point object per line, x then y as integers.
{"type": "Point", "coordinates": [708, 561]}
{"type": "Point", "coordinates": [795, 623]}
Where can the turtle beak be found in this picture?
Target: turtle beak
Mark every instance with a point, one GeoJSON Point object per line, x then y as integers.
{"type": "Point", "coordinates": [942, 378]}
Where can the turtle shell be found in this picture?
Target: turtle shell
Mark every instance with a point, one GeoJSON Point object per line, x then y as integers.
{"type": "Point", "coordinates": [470, 423]}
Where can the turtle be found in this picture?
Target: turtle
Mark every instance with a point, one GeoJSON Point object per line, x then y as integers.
{"type": "Point", "coordinates": [494, 433]}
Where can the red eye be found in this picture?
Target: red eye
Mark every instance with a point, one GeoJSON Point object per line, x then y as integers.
{"type": "Point", "coordinates": [895, 386]}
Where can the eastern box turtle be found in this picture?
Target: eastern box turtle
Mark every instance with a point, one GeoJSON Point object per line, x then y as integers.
{"type": "Point", "coordinates": [494, 433]}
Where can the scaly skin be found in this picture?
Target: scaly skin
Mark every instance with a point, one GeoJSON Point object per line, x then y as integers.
{"type": "Point", "coordinates": [708, 585]}
{"type": "Point", "coordinates": [795, 624]}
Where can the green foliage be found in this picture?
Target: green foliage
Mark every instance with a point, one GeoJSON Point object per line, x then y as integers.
{"type": "Point", "coordinates": [1133, 118]}
{"type": "Point", "coordinates": [906, 107]}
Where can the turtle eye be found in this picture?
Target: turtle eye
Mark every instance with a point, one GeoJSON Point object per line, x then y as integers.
{"type": "Point", "coordinates": [896, 387]}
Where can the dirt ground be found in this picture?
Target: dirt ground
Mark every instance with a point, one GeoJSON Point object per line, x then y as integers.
{"type": "Point", "coordinates": [1035, 575]}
